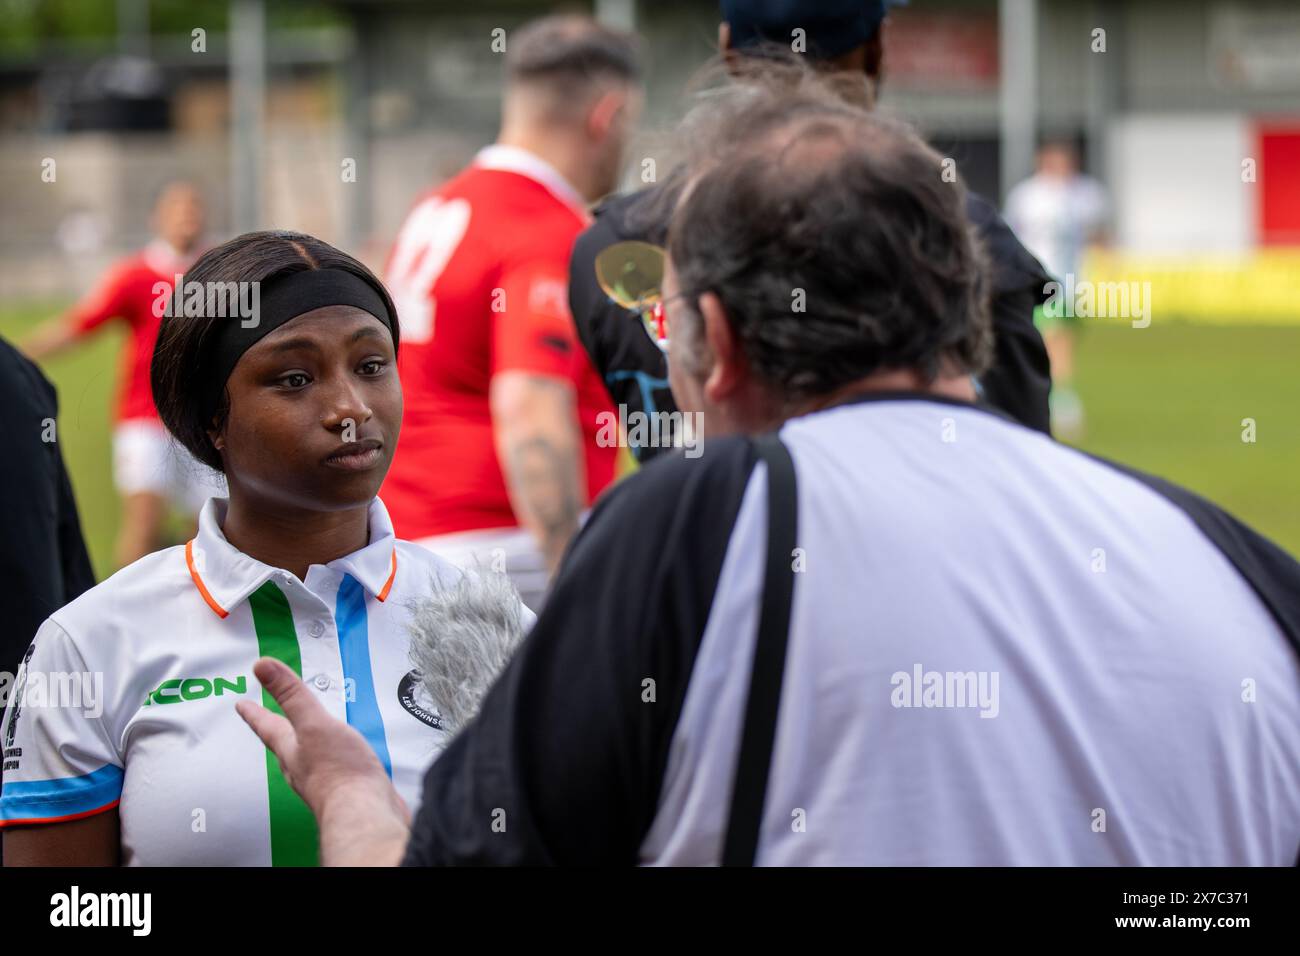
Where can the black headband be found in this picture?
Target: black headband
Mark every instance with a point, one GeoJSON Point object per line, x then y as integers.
{"type": "Point", "coordinates": [281, 300]}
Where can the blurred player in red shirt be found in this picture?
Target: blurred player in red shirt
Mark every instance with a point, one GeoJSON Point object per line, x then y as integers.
{"type": "Point", "coordinates": [149, 469]}
{"type": "Point", "coordinates": [498, 454]}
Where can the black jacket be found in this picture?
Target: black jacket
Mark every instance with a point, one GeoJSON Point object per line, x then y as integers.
{"type": "Point", "coordinates": [43, 559]}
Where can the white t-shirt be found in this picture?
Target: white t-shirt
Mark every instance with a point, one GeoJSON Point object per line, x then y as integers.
{"type": "Point", "coordinates": [126, 697]}
{"type": "Point", "coordinates": [1042, 664]}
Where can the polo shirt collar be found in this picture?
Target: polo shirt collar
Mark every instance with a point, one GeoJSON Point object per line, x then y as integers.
{"type": "Point", "coordinates": [515, 159]}
{"type": "Point", "coordinates": [225, 576]}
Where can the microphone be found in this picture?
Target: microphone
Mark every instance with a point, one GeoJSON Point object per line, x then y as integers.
{"type": "Point", "coordinates": [463, 632]}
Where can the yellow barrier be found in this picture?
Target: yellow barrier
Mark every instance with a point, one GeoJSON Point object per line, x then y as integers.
{"type": "Point", "coordinates": [1261, 288]}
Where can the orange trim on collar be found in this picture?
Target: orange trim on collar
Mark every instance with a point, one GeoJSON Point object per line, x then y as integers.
{"type": "Point", "coordinates": [198, 581]}
{"type": "Point", "coordinates": [383, 594]}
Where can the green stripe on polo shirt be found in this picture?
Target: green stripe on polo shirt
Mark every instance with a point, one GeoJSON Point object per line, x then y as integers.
{"type": "Point", "coordinates": [294, 840]}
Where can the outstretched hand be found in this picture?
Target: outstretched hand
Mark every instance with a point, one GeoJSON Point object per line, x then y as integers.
{"type": "Point", "coordinates": [361, 818]}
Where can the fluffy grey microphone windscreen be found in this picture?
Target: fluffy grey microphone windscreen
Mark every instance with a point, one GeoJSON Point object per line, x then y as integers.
{"type": "Point", "coordinates": [462, 634]}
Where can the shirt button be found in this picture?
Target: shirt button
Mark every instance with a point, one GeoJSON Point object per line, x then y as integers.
{"type": "Point", "coordinates": [321, 681]}
{"type": "Point", "coordinates": [316, 629]}
{"type": "Point", "coordinates": [286, 578]}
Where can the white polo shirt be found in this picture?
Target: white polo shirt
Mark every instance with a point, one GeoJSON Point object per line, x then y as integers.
{"type": "Point", "coordinates": [126, 697]}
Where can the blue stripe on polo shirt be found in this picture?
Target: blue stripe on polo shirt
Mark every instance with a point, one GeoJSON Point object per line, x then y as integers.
{"type": "Point", "coordinates": [62, 796]}
{"type": "Point", "coordinates": [354, 647]}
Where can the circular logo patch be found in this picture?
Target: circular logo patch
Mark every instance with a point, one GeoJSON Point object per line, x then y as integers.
{"type": "Point", "coordinates": [411, 695]}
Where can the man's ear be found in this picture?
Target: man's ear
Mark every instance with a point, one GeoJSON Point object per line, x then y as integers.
{"type": "Point", "coordinates": [730, 369]}
{"type": "Point", "coordinates": [604, 113]}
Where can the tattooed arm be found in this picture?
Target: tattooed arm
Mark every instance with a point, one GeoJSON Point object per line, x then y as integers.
{"type": "Point", "coordinates": [535, 422]}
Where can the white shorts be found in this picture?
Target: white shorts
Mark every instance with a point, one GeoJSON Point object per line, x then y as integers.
{"type": "Point", "coordinates": [512, 550]}
{"type": "Point", "coordinates": [147, 460]}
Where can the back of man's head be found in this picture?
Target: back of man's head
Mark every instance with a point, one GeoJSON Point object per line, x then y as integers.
{"type": "Point", "coordinates": [834, 242]}
{"type": "Point", "coordinates": [558, 65]}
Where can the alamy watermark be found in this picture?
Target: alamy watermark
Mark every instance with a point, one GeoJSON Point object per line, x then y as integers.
{"type": "Point", "coordinates": [78, 690]}
{"type": "Point", "coordinates": [1079, 298]}
{"type": "Point", "coordinates": [638, 429]}
{"type": "Point", "coordinates": [130, 910]}
{"type": "Point", "coordinates": [949, 689]}
{"type": "Point", "coordinates": [220, 300]}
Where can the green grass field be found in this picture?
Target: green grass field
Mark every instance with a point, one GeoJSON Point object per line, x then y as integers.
{"type": "Point", "coordinates": [1171, 400]}
{"type": "Point", "coordinates": [1167, 399]}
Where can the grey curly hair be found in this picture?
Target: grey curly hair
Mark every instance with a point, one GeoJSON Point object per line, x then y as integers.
{"type": "Point", "coordinates": [792, 194]}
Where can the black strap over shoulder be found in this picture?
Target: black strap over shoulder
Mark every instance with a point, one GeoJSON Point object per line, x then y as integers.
{"type": "Point", "coordinates": [749, 784]}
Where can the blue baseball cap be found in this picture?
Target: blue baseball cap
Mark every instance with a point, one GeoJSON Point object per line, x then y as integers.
{"type": "Point", "coordinates": [831, 27]}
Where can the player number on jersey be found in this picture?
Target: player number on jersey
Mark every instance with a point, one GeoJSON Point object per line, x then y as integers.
{"type": "Point", "coordinates": [424, 247]}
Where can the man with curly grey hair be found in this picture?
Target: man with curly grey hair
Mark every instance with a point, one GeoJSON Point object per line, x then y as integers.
{"type": "Point", "coordinates": [875, 623]}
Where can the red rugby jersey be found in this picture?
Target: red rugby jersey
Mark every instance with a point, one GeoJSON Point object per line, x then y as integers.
{"type": "Point", "coordinates": [133, 291]}
{"type": "Point", "coordinates": [479, 274]}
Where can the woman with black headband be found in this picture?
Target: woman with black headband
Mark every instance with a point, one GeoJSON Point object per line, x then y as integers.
{"type": "Point", "coordinates": [277, 366]}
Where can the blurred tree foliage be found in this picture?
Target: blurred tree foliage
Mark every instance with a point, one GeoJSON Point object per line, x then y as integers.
{"type": "Point", "coordinates": [26, 26]}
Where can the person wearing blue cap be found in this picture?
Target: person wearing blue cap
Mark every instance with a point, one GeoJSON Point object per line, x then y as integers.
{"type": "Point", "coordinates": [841, 37]}
{"type": "Point", "coordinates": [847, 31]}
